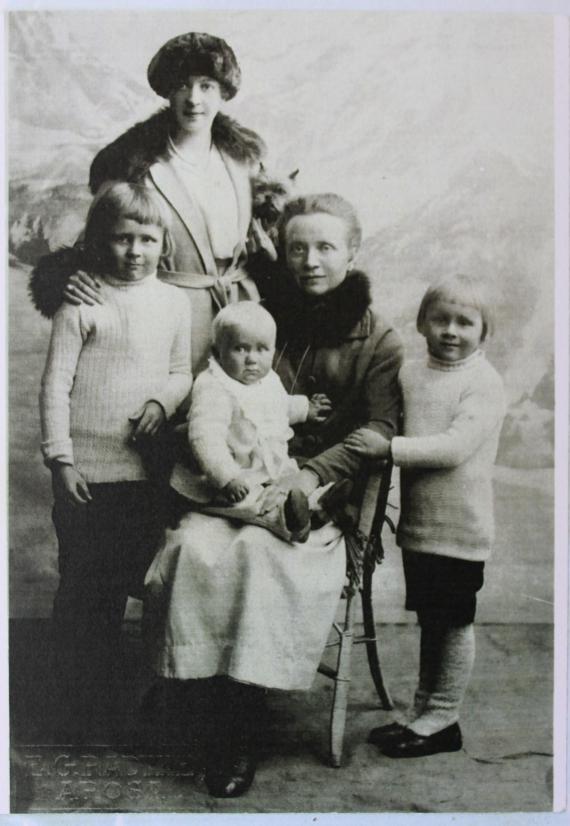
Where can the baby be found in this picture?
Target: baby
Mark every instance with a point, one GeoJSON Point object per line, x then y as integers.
{"type": "Point", "coordinates": [239, 424]}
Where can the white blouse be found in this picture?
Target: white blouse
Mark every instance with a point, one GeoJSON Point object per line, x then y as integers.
{"type": "Point", "coordinates": [211, 187]}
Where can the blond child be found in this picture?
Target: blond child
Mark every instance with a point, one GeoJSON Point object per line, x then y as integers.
{"type": "Point", "coordinates": [239, 425]}
{"type": "Point", "coordinates": [115, 372]}
{"type": "Point", "coordinates": [453, 411]}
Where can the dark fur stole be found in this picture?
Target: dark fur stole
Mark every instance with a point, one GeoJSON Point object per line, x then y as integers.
{"type": "Point", "coordinates": [50, 275]}
{"type": "Point", "coordinates": [320, 322]}
{"type": "Point", "coordinates": [129, 157]}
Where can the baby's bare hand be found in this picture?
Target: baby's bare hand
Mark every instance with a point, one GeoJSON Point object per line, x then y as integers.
{"type": "Point", "coordinates": [82, 288]}
{"type": "Point", "coordinates": [368, 443]}
{"type": "Point", "coordinates": [320, 408]}
{"type": "Point", "coordinates": [235, 491]}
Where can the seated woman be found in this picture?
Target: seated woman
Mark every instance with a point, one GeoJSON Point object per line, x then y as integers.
{"type": "Point", "coordinates": [236, 602]}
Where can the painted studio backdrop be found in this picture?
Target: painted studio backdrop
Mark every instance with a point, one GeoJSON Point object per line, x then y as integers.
{"type": "Point", "coordinates": [438, 127]}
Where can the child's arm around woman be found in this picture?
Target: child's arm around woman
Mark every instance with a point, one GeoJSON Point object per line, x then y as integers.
{"type": "Point", "coordinates": [452, 420]}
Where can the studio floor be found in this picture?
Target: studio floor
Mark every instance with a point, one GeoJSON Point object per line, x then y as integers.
{"type": "Point", "coordinates": [505, 766]}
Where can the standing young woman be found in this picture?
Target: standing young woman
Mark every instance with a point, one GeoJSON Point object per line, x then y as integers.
{"type": "Point", "coordinates": [199, 161]}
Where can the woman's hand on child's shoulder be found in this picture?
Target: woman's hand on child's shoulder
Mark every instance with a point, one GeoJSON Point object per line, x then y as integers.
{"type": "Point", "coordinates": [147, 421]}
{"type": "Point", "coordinates": [69, 484]}
{"type": "Point", "coordinates": [368, 443]}
{"type": "Point", "coordinates": [82, 288]}
{"type": "Point", "coordinates": [320, 408]}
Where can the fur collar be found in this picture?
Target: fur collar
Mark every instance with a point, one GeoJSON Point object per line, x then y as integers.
{"type": "Point", "coordinates": [325, 321]}
{"type": "Point", "coordinates": [129, 157]}
{"type": "Point", "coordinates": [49, 277]}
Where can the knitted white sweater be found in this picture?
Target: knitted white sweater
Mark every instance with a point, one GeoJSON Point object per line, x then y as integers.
{"type": "Point", "coordinates": [236, 430]}
{"type": "Point", "coordinates": [452, 421]}
{"type": "Point", "coordinates": [103, 364]}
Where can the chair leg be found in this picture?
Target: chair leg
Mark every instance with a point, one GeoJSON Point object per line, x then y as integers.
{"type": "Point", "coordinates": [341, 684]}
{"type": "Point", "coordinates": [372, 645]}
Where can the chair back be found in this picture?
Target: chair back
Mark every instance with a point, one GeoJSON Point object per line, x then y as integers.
{"type": "Point", "coordinates": [364, 548]}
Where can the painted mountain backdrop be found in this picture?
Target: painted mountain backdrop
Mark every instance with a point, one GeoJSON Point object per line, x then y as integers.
{"type": "Point", "coordinates": [438, 127]}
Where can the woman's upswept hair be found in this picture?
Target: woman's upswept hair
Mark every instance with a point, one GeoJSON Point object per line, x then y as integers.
{"type": "Point", "coordinates": [242, 314]}
{"type": "Point", "coordinates": [330, 204]}
{"type": "Point", "coordinates": [117, 200]}
{"type": "Point", "coordinates": [463, 289]}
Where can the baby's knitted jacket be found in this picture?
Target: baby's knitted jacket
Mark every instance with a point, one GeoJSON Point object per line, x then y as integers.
{"type": "Point", "coordinates": [104, 362]}
{"type": "Point", "coordinates": [237, 430]}
{"type": "Point", "coordinates": [453, 414]}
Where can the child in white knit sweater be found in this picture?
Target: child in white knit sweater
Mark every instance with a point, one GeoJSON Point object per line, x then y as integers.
{"type": "Point", "coordinates": [115, 372]}
{"type": "Point", "coordinates": [453, 411]}
{"type": "Point", "coordinates": [239, 425]}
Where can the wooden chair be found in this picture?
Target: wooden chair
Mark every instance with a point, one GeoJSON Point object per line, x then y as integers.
{"type": "Point", "coordinates": [362, 558]}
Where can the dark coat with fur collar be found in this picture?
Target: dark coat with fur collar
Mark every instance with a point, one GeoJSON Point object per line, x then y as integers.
{"type": "Point", "coordinates": [132, 154]}
{"type": "Point", "coordinates": [139, 155]}
{"type": "Point", "coordinates": [338, 345]}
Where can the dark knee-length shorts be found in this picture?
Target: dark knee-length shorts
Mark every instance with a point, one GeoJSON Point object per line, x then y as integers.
{"type": "Point", "coordinates": [442, 588]}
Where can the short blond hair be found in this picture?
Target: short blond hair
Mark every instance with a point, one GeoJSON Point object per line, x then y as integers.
{"type": "Point", "coordinates": [463, 289]}
{"type": "Point", "coordinates": [243, 314]}
{"type": "Point", "coordinates": [114, 201]}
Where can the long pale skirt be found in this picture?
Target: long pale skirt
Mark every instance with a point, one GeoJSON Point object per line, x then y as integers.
{"type": "Point", "coordinates": [223, 598]}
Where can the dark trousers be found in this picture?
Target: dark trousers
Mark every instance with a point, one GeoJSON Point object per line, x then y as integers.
{"type": "Point", "coordinates": [105, 548]}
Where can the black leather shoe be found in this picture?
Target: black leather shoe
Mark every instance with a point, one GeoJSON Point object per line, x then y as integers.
{"type": "Point", "coordinates": [297, 515]}
{"type": "Point", "coordinates": [384, 734]}
{"type": "Point", "coordinates": [233, 777]}
{"type": "Point", "coordinates": [410, 744]}
{"type": "Point", "coordinates": [334, 500]}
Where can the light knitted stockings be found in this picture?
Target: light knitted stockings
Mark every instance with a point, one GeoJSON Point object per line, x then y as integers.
{"type": "Point", "coordinates": [447, 655]}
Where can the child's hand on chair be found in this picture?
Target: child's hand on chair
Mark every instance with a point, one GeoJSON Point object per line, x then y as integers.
{"type": "Point", "coordinates": [368, 443]}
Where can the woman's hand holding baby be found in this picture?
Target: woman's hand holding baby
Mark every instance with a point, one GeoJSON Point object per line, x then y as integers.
{"type": "Point", "coordinates": [69, 483]}
{"type": "Point", "coordinates": [147, 421]}
{"type": "Point", "coordinates": [368, 443]}
{"type": "Point", "coordinates": [320, 408]}
{"type": "Point", "coordinates": [235, 491]}
{"type": "Point", "coordinates": [82, 288]}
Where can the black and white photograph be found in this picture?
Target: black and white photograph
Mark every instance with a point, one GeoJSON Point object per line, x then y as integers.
{"type": "Point", "coordinates": [281, 306]}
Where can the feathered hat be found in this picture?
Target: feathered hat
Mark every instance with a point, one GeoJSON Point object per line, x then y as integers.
{"type": "Point", "coordinates": [194, 53]}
